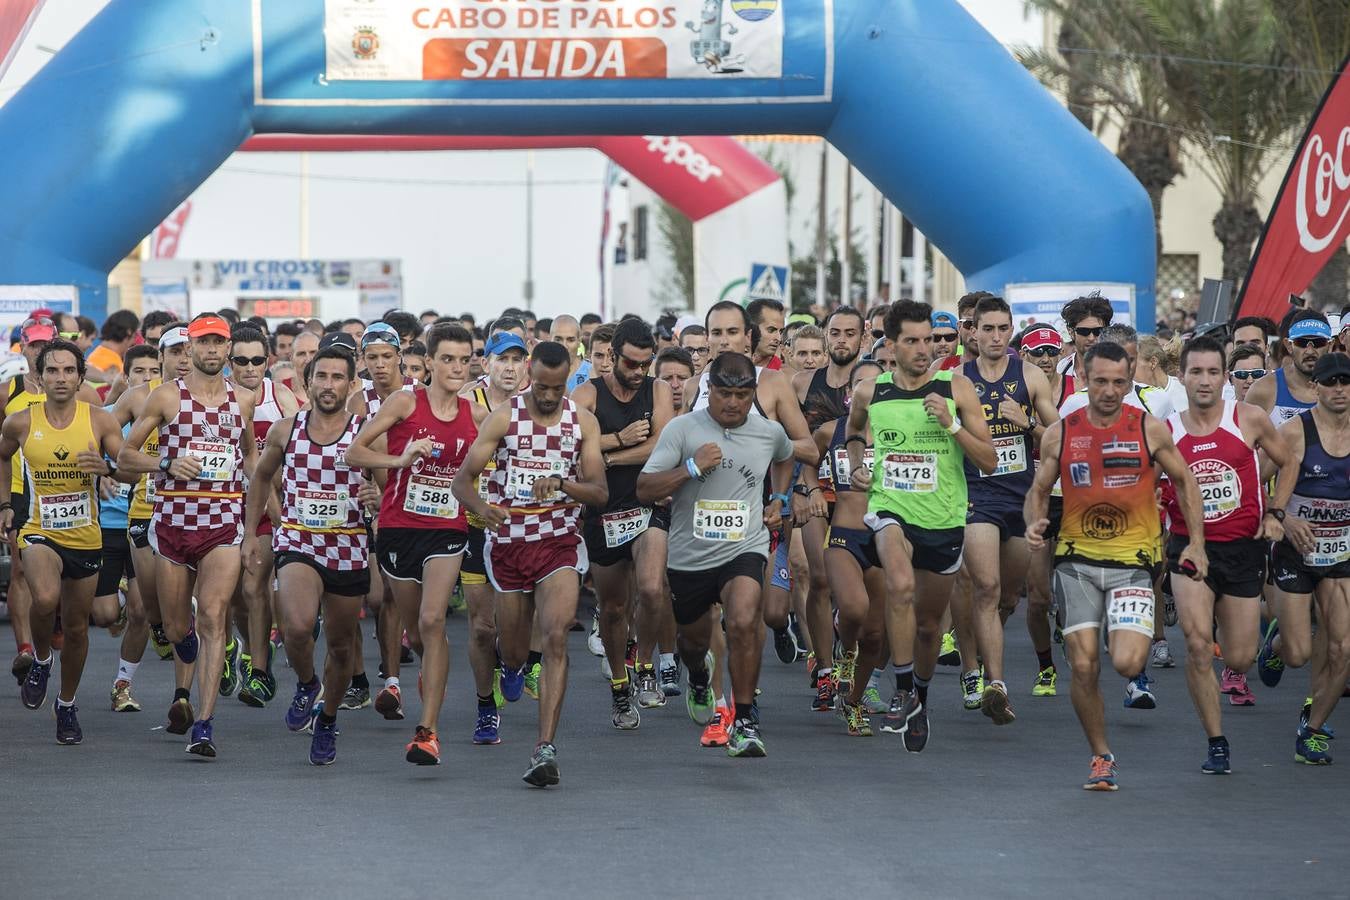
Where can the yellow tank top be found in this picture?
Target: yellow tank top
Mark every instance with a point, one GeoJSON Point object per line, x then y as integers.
{"type": "Point", "coordinates": [143, 497]}
{"type": "Point", "coordinates": [62, 500]}
{"type": "Point", "coordinates": [17, 402]}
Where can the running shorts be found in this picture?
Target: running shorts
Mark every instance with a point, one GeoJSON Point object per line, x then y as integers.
{"type": "Point", "coordinates": [339, 582]}
{"type": "Point", "coordinates": [1118, 596]}
{"type": "Point", "coordinates": [185, 547]}
{"type": "Point", "coordinates": [692, 594]}
{"type": "Point", "coordinates": [1236, 568]}
{"type": "Point", "coordinates": [936, 551]}
{"type": "Point", "coordinates": [75, 564]}
{"type": "Point", "coordinates": [521, 565]}
{"type": "Point", "coordinates": [403, 552]}
{"type": "Point", "coordinates": [116, 562]}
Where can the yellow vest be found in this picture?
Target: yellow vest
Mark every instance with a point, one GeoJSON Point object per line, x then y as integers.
{"type": "Point", "coordinates": [62, 500]}
{"type": "Point", "coordinates": [142, 504]}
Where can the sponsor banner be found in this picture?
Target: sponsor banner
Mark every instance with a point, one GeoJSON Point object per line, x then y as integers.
{"type": "Point", "coordinates": [1041, 303]}
{"type": "Point", "coordinates": [269, 275]}
{"type": "Point", "coordinates": [1311, 215]}
{"type": "Point", "coordinates": [17, 301]}
{"type": "Point", "coordinates": [170, 295]}
{"type": "Point", "coordinates": [473, 40]}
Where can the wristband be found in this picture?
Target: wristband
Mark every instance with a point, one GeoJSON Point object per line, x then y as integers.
{"type": "Point", "coordinates": [785, 497]}
{"type": "Point", "coordinates": [857, 437]}
{"type": "Point", "coordinates": [692, 468]}
{"type": "Point", "coordinates": [955, 427]}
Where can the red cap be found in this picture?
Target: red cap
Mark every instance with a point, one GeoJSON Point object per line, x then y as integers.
{"type": "Point", "coordinates": [1044, 336]}
{"type": "Point", "coordinates": [42, 313]}
{"type": "Point", "coordinates": [38, 331]}
{"type": "Point", "coordinates": [208, 325]}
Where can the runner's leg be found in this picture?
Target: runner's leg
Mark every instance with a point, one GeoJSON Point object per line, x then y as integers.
{"type": "Point", "coordinates": [555, 599]}
{"type": "Point", "coordinates": [217, 575]}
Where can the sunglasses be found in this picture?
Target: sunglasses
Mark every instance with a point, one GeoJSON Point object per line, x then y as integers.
{"type": "Point", "coordinates": [878, 333]}
{"type": "Point", "coordinates": [945, 338]}
{"type": "Point", "coordinates": [1335, 380]}
{"type": "Point", "coordinates": [69, 335]}
{"type": "Point", "coordinates": [478, 351]}
{"type": "Point", "coordinates": [636, 365]}
{"type": "Point", "coordinates": [967, 323]}
{"type": "Point", "coordinates": [1042, 352]}
{"type": "Point", "coordinates": [242, 361]}
{"type": "Point", "coordinates": [1088, 332]}
{"type": "Point", "coordinates": [1246, 374]}
{"type": "Point", "coordinates": [1306, 342]}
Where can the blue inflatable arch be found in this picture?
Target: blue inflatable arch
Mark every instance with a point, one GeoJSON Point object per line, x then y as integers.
{"type": "Point", "coordinates": [153, 95]}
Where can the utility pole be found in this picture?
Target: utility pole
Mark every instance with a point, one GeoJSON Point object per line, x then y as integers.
{"type": "Point", "coordinates": [304, 205]}
{"type": "Point", "coordinates": [822, 241]}
{"type": "Point", "coordinates": [845, 237]}
{"type": "Point", "coordinates": [529, 227]}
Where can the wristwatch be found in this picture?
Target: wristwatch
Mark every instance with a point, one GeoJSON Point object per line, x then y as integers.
{"type": "Point", "coordinates": [1277, 513]}
{"type": "Point", "coordinates": [164, 464]}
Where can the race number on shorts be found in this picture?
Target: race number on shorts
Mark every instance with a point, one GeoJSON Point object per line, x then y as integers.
{"type": "Point", "coordinates": [1130, 609]}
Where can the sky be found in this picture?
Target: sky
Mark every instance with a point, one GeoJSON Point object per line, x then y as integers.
{"type": "Point", "coordinates": [457, 220]}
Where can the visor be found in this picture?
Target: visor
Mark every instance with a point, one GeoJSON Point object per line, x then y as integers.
{"type": "Point", "coordinates": [172, 337]}
{"type": "Point", "coordinates": [1313, 328]}
{"type": "Point", "coordinates": [1041, 337]}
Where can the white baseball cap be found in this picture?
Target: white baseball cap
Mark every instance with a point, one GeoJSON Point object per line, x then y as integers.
{"type": "Point", "coordinates": [172, 337]}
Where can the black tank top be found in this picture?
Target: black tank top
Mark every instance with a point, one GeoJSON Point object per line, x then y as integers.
{"type": "Point", "coordinates": [614, 416]}
{"type": "Point", "coordinates": [823, 402]}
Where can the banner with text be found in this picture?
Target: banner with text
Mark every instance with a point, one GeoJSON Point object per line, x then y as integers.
{"type": "Point", "coordinates": [488, 40]}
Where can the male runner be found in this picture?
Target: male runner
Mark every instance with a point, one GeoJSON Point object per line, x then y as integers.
{"type": "Point", "coordinates": [766, 332]}
{"type": "Point", "coordinates": [422, 531]}
{"type": "Point", "coordinates": [924, 425]}
{"type": "Point", "coordinates": [65, 444]}
{"type": "Point", "coordinates": [1219, 440]}
{"type": "Point", "coordinates": [712, 462]}
{"type": "Point", "coordinates": [694, 341]}
{"type": "Point", "coordinates": [1085, 318]}
{"type": "Point", "coordinates": [549, 462]}
{"type": "Point", "coordinates": [320, 541]}
{"type": "Point", "coordinates": [1109, 539]}
{"type": "Point", "coordinates": [206, 449]}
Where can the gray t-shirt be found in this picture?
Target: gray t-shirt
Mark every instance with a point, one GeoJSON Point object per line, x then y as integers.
{"type": "Point", "coordinates": [718, 517]}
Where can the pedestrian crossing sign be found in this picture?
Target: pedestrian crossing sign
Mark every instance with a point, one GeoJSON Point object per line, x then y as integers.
{"type": "Point", "coordinates": [768, 282]}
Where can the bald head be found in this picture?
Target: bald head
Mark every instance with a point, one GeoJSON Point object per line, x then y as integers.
{"type": "Point", "coordinates": [566, 331]}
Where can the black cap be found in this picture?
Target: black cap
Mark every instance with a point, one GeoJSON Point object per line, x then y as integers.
{"type": "Point", "coordinates": [340, 338]}
{"type": "Point", "coordinates": [1331, 365]}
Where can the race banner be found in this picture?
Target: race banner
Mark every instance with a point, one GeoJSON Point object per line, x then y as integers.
{"type": "Point", "coordinates": [524, 40]}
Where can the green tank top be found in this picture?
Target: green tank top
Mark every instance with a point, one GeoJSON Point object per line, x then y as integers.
{"type": "Point", "coordinates": [918, 470]}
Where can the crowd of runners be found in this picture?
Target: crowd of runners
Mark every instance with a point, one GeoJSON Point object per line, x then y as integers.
{"type": "Point", "coordinates": [874, 493]}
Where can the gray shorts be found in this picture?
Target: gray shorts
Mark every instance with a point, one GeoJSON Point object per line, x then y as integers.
{"type": "Point", "coordinates": [1091, 595]}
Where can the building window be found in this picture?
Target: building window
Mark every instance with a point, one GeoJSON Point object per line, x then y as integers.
{"type": "Point", "coordinates": [1179, 272]}
{"type": "Point", "coordinates": [639, 232]}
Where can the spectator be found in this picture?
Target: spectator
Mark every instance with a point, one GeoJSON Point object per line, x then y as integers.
{"type": "Point", "coordinates": [406, 324]}
{"type": "Point", "coordinates": [118, 334]}
{"type": "Point", "coordinates": [152, 326]}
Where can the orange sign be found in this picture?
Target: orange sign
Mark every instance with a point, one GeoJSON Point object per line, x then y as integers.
{"type": "Point", "coordinates": [448, 59]}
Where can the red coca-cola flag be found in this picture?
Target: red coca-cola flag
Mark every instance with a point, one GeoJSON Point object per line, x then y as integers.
{"type": "Point", "coordinates": [164, 241]}
{"type": "Point", "coordinates": [1311, 216]}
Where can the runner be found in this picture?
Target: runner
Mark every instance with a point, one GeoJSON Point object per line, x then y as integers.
{"type": "Point", "coordinates": [422, 531]}
{"type": "Point", "coordinates": [534, 553]}
{"type": "Point", "coordinates": [1219, 439]}
{"type": "Point", "coordinates": [694, 341]}
{"type": "Point", "coordinates": [1312, 563]}
{"type": "Point", "coordinates": [711, 463]}
{"type": "Point", "coordinates": [766, 332]}
{"type": "Point", "coordinates": [1289, 390]}
{"type": "Point", "coordinates": [1085, 318]}
{"type": "Point", "coordinates": [1017, 405]}
{"type": "Point", "coordinates": [320, 541]}
{"type": "Point", "coordinates": [924, 425]}
{"type": "Point", "coordinates": [1246, 366]}
{"type": "Point", "coordinates": [60, 539]}
{"type": "Point", "coordinates": [1109, 539]}
{"type": "Point", "coordinates": [205, 452]}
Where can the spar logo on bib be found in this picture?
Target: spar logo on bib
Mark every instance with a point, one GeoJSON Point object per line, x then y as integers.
{"type": "Point", "coordinates": [1220, 489]}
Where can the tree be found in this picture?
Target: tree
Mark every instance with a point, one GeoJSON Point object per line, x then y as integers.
{"type": "Point", "coordinates": [677, 232]}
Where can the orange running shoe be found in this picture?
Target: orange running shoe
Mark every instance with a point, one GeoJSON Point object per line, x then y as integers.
{"type": "Point", "coordinates": [715, 735]}
{"type": "Point", "coordinates": [425, 749]}
{"type": "Point", "coordinates": [1103, 776]}
{"type": "Point", "coordinates": [389, 702]}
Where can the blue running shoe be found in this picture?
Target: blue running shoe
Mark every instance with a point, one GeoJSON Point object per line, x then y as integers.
{"type": "Point", "coordinates": [1313, 747]}
{"type": "Point", "coordinates": [513, 683]}
{"type": "Point", "coordinates": [323, 746]}
{"type": "Point", "coordinates": [34, 689]}
{"type": "Point", "coordinates": [188, 646]}
{"type": "Point", "coordinates": [1268, 664]}
{"type": "Point", "coordinates": [67, 726]}
{"type": "Point", "coordinates": [489, 724]}
{"type": "Point", "coordinates": [1217, 763]}
{"type": "Point", "coordinates": [201, 743]}
{"type": "Point", "coordinates": [301, 709]}
{"type": "Point", "coordinates": [1137, 693]}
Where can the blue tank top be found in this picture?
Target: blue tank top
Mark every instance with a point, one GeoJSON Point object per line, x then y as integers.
{"type": "Point", "coordinates": [1013, 445]}
{"type": "Point", "coordinates": [837, 458]}
{"type": "Point", "coordinates": [113, 513]}
{"type": "Point", "coordinates": [1286, 404]}
{"type": "Point", "coordinates": [1322, 498]}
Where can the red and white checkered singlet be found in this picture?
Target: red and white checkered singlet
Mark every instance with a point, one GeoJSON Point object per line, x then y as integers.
{"type": "Point", "coordinates": [529, 451]}
{"type": "Point", "coordinates": [320, 516]}
{"type": "Point", "coordinates": [216, 436]}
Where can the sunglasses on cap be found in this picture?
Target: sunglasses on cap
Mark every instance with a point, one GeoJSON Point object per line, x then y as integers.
{"type": "Point", "coordinates": [945, 338]}
{"type": "Point", "coordinates": [1042, 352]}
{"type": "Point", "coordinates": [1088, 332]}
{"type": "Point", "coordinates": [1338, 380]}
{"type": "Point", "coordinates": [1304, 343]}
{"type": "Point", "coordinates": [242, 361]}
{"type": "Point", "coordinates": [1248, 374]}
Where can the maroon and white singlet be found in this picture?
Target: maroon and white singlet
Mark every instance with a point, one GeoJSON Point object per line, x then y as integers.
{"type": "Point", "coordinates": [1229, 477]}
{"type": "Point", "coordinates": [320, 514]}
{"type": "Point", "coordinates": [419, 496]}
{"type": "Point", "coordinates": [265, 412]}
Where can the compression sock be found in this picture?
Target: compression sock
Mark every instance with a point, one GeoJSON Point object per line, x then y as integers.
{"type": "Point", "coordinates": [921, 688]}
{"type": "Point", "coordinates": [904, 677]}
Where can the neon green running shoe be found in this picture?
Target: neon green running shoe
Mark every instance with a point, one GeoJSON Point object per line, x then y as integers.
{"type": "Point", "coordinates": [858, 723]}
{"type": "Point", "coordinates": [972, 687]}
{"type": "Point", "coordinates": [1045, 683]}
{"type": "Point", "coordinates": [948, 655]}
{"type": "Point", "coordinates": [532, 680]}
{"type": "Point", "coordinates": [844, 669]}
{"type": "Point", "coordinates": [229, 675]}
{"type": "Point", "coordinates": [744, 740]}
{"type": "Point", "coordinates": [497, 697]}
{"type": "Point", "coordinates": [872, 701]}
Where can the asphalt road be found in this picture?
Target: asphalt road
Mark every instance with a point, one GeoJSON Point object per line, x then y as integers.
{"type": "Point", "coordinates": [985, 811]}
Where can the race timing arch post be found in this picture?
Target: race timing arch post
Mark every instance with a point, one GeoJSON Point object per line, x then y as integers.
{"type": "Point", "coordinates": [153, 95]}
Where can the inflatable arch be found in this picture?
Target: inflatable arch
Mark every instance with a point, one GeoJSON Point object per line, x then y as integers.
{"type": "Point", "coordinates": [153, 95]}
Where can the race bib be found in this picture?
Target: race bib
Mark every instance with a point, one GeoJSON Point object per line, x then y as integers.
{"type": "Point", "coordinates": [322, 510]}
{"type": "Point", "coordinates": [1220, 490]}
{"type": "Point", "coordinates": [1130, 608]}
{"type": "Point", "coordinates": [1332, 547]}
{"type": "Point", "coordinates": [1012, 456]}
{"type": "Point", "coordinates": [217, 459]}
{"type": "Point", "coordinates": [525, 471]}
{"type": "Point", "coordinates": [623, 527]}
{"type": "Point", "coordinates": [483, 480]}
{"type": "Point", "coordinates": [915, 472]}
{"type": "Point", "coordinates": [62, 512]}
{"type": "Point", "coordinates": [721, 520]}
{"type": "Point", "coordinates": [843, 471]}
{"type": "Point", "coordinates": [430, 496]}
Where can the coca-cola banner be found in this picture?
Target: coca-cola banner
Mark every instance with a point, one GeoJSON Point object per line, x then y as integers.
{"type": "Point", "coordinates": [1311, 216]}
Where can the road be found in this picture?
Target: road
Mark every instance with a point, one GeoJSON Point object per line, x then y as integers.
{"type": "Point", "coordinates": [985, 811]}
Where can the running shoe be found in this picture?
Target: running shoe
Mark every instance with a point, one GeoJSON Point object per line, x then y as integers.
{"type": "Point", "coordinates": [513, 683]}
{"type": "Point", "coordinates": [457, 601]}
{"type": "Point", "coordinates": [201, 743]}
{"type": "Point", "coordinates": [825, 693]}
{"type": "Point", "coordinates": [67, 725]}
{"type": "Point", "coordinates": [915, 716]}
{"type": "Point", "coordinates": [323, 746]}
{"type": "Point", "coordinates": [259, 687]}
{"type": "Point", "coordinates": [1045, 683]}
{"type": "Point", "coordinates": [34, 689]}
{"type": "Point", "coordinates": [181, 715]}
{"type": "Point", "coordinates": [1243, 696]}
{"type": "Point", "coordinates": [1217, 763]}
{"type": "Point", "coordinates": [994, 704]}
{"type": "Point", "coordinates": [23, 661]}
{"type": "Point", "coordinates": [486, 729]}
{"type": "Point", "coordinates": [122, 701]}
{"type": "Point", "coordinates": [543, 770]}
{"type": "Point", "coordinates": [894, 723]}
{"type": "Point", "coordinates": [670, 680]}
{"type": "Point", "coordinates": [1138, 694]}
{"type": "Point", "coordinates": [630, 660]}
{"type": "Point", "coordinates": [594, 642]}
{"type": "Point", "coordinates": [1169, 610]}
{"type": "Point", "coordinates": [1103, 774]}
{"type": "Point", "coordinates": [1312, 746]}
{"type": "Point", "coordinates": [187, 648]}
{"type": "Point", "coordinates": [229, 675]}
{"type": "Point", "coordinates": [845, 671]}
{"type": "Point", "coordinates": [355, 698]}
{"type": "Point", "coordinates": [972, 689]}
{"type": "Point", "coordinates": [623, 713]}
{"type": "Point", "coordinates": [389, 703]}
{"type": "Point", "coordinates": [160, 642]}
{"type": "Point", "coordinates": [784, 646]}
{"type": "Point", "coordinates": [949, 655]}
{"type": "Point", "coordinates": [716, 734]}
{"type": "Point", "coordinates": [649, 693]}
{"type": "Point", "coordinates": [872, 701]}
{"type": "Point", "coordinates": [1268, 663]}
{"type": "Point", "coordinates": [700, 703]}
{"type": "Point", "coordinates": [856, 720]}
{"type": "Point", "coordinates": [744, 739]}
{"type": "Point", "coordinates": [302, 705]}
{"type": "Point", "coordinates": [424, 749]}
{"type": "Point", "coordinates": [532, 680]}
{"type": "Point", "coordinates": [1160, 657]}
